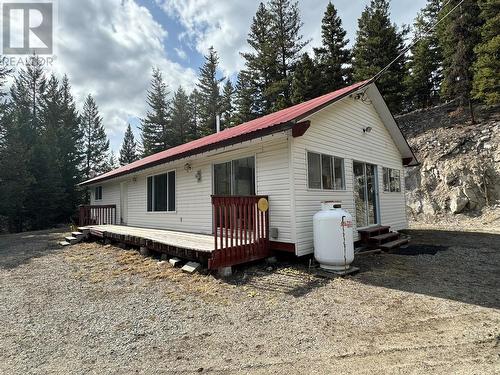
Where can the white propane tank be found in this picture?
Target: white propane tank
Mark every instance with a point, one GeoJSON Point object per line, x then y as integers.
{"type": "Point", "coordinates": [333, 238]}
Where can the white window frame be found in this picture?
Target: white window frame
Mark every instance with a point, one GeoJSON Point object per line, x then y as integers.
{"type": "Point", "coordinates": [321, 171]}
{"type": "Point", "coordinates": [153, 212]}
{"type": "Point", "coordinates": [386, 172]}
{"type": "Point", "coordinates": [254, 156]}
{"type": "Point", "coordinates": [95, 193]}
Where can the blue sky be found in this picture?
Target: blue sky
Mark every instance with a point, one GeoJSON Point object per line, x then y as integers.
{"type": "Point", "coordinates": [108, 47]}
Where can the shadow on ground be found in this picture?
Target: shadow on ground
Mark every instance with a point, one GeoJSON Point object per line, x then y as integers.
{"type": "Point", "coordinates": [20, 248]}
{"type": "Point", "coordinates": [460, 266]}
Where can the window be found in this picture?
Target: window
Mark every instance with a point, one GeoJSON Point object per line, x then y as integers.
{"type": "Point", "coordinates": [236, 177]}
{"type": "Point", "coordinates": [325, 172]}
{"type": "Point", "coordinates": [392, 180]}
{"type": "Point", "coordinates": [161, 192]}
{"type": "Point", "coordinates": [98, 193]}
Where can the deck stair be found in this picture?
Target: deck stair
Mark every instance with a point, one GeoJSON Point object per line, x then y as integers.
{"type": "Point", "coordinates": [74, 238]}
{"type": "Point", "coordinates": [381, 237]}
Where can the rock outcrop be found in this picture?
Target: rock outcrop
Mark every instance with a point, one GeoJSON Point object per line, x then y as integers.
{"type": "Point", "coordinates": [460, 161]}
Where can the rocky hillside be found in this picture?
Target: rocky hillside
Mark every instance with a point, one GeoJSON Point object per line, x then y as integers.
{"type": "Point", "coordinates": [460, 161]}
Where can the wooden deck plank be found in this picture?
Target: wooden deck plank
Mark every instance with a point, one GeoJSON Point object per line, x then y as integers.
{"type": "Point", "coordinates": [184, 240]}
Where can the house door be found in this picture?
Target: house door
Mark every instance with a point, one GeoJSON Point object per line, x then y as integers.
{"type": "Point", "coordinates": [365, 194]}
{"type": "Point", "coordinates": [123, 203]}
{"type": "Point", "coordinates": [236, 177]}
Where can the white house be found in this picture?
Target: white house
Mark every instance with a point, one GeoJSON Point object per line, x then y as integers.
{"type": "Point", "coordinates": [343, 146]}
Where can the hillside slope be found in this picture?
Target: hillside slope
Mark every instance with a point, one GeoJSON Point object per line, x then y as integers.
{"type": "Point", "coordinates": [459, 175]}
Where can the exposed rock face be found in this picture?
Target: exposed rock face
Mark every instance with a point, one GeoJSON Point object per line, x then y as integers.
{"type": "Point", "coordinates": [460, 162]}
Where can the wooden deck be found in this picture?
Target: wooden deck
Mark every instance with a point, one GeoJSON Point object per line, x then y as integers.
{"type": "Point", "coordinates": [191, 241]}
{"type": "Point", "coordinates": [241, 228]}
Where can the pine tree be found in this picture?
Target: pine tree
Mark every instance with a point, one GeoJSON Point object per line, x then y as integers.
{"type": "Point", "coordinates": [458, 35]}
{"type": "Point", "coordinates": [156, 126]}
{"type": "Point", "coordinates": [227, 106]}
{"type": "Point", "coordinates": [111, 163]}
{"type": "Point", "coordinates": [333, 57]}
{"type": "Point", "coordinates": [47, 193]}
{"type": "Point", "coordinates": [208, 87]}
{"type": "Point", "coordinates": [181, 117]}
{"type": "Point", "coordinates": [71, 150]}
{"type": "Point", "coordinates": [486, 84]}
{"type": "Point", "coordinates": [378, 42]}
{"type": "Point", "coordinates": [424, 64]}
{"type": "Point", "coordinates": [128, 152]}
{"type": "Point", "coordinates": [287, 40]}
{"type": "Point", "coordinates": [306, 83]}
{"type": "Point", "coordinates": [194, 115]}
{"type": "Point", "coordinates": [244, 99]}
{"type": "Point", "coordinates": [15, 172]}
{"type": "Point", "coordinates": [96, 143]}
{"type": "Point", "coordinates": [261, 63]}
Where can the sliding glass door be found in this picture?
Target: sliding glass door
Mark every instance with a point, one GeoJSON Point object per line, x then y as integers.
{"type": "Point", "coordinates": [236, 177]}
{"type": "Point", "coordinates": [365, 194]}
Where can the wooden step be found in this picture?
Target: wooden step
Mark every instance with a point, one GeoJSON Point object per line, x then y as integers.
{"type": "Point", "coordinates": [372, 230]}
{"type": "Point", "coordinates": [71, 239]}
{"type": "Point", "coordinates": [76, 234]}
{"type": "Point", "coordinates": [384, 237]}
{"type": "Point", "coordinates": [394, 244]}
{"type": "Point", "coordinates": [64, 243]}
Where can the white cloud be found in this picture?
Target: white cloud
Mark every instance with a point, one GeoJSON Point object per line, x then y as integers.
{"type": "Point", "coordinates": [107, 48]}
{"type": "Point", "coordinates": [223, 24]}
{"type": "Point", "coordinates": [181, 53]}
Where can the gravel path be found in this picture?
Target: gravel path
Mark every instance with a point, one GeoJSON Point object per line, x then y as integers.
{"type": "Point", "coordinates": [99, 309]}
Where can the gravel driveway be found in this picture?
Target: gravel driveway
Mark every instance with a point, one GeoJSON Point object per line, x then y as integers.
{"type": "Point", "coordinates": [100, 309]}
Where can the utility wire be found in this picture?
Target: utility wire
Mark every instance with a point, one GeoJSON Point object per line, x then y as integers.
{"type": "Point", "coordinates": [415, 40]}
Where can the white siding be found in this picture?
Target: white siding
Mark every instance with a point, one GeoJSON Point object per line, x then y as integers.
{"type": "Point", "coordinates": [338, 130]}
{"type": "Point", "coordinates": [193, 204]}
{"type": "Point", "coordinates": [110, 195]}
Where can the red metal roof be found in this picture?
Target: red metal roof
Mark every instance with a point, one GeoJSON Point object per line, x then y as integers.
{"type": "Point", "coordinates": [255, 127]}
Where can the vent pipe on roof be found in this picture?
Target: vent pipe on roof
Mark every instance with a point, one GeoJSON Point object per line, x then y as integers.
{"type": "Point", "coordinates": [217, 123]}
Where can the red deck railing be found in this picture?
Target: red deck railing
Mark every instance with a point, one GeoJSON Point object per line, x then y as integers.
{"type": "Point", "coordinates": [241, 230]}
{"type": "Point", "coordinates": [97, 214]}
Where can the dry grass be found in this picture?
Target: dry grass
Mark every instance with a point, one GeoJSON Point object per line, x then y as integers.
{"type": "Point", "coordinates": [104, 263]}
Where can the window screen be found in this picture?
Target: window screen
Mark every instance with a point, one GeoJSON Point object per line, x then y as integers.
{"type": "Point", "coordinates": [161, 192]}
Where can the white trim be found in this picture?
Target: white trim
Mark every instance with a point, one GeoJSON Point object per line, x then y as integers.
{"type": "Point", "coordinates": [152, 193]}
{"type": "Point", "coordinates": [254, 155]}
{"type": "Point", "coordinates": [321, 172]}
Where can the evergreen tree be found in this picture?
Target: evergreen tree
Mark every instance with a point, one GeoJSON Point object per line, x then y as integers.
{"type": "Point", "coordinates": [128, 152]}
{"type": "Point", "coordinates": [194, 114]}
{"type": "Point", "coordinates": [181, 117]}
{"type": "Point", "coordinates": [333, 57]}
{"type": "Point", "coordinates": [458, 35]}
{"type": "Point", "coordinates": [15, 172]}
{"type": "Point", "coordinates": [287, 40]}
{"type": "Point", "coordinates": [424, 65]}
{"type": "Point", "coordinates": [306, 83]}
{"type": "Point", "coordinates": [486, 85]}
{"type": "Point", "coordinates": [260, 64]}
{"type": "Point", "coordinates": [208, 87]}
{"type": "Point", "coordinates": [47, 190]}
{"type": "Point", "coordinates": [227, 107]}
{"type": "Point", "coordinates": [96, 143]}
{"type": "Point", "coordinates": [70, 145]}
{"type": "Point", "coordinates": [111, 163]}
{"type": "Point", "coordinates": [156, 126]}
{"type": "Point", "coordinates": [378, 42]}
{"type": "Point", "coordinates": [244, 100]}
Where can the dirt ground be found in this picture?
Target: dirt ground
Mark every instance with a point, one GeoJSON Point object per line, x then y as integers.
{"type": "Point", "coordinates": [90, 308]}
